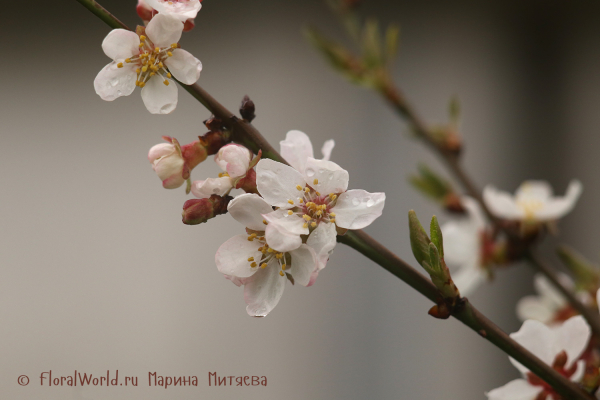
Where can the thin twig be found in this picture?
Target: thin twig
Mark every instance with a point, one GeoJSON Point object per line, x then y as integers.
{"type": "Point", "coordinates": [245, 133]}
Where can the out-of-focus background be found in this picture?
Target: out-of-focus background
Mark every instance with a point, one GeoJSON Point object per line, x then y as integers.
{"type": "Point", "coordinates": [98, 273]}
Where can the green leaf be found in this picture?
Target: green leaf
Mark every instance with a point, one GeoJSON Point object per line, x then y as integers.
{"type": "Point", "coordinates": [436, 235]}
{"type": "Point", "coordinates": [419, 242]}
{"type": "Point", "coordinates": [392, 39]}
{"type": "Point", "coordinates": [587, 275]}
{"type": "Point", "coordinates": [434, 260]}
{"type": "Point", "coordinates": [371, 45]}
{"type": "Point", "coordinates": [430, 184]}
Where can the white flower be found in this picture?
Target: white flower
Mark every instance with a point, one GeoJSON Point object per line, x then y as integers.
{"type": "Point", "coordinates": [533, 201]}
{"type": "Point", "coordinates": [180, 9]}
{"type": "Point", "coordinates": [310, 194]}
{"type": "Point", "coordinates": [559, 347]}
{"type": "Point", "coordinates": [234, 160]}
{"type": "Point", "coordinates": [147, 62]}
{"type": "Point", "coordinates": [465, 242]}
{"type": "Point", "coordinates": [252, 261]}
{"type": "Point", "coordinates": [549, 306]}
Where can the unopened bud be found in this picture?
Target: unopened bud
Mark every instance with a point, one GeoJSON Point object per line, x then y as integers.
{"type": "Point", "coordinates": [247, 109]}
{"type": "Point", "coordinates": [173, 163]}
{"type": "Point", "coordinates": [188, 25]}
{"type": "Point", "coordinates": [144, 11]}
{"type": "Point", "coordinates": [197, 211]}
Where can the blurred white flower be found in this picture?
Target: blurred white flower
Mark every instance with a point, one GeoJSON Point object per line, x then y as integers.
{"type": "Point", "coordinates": [549, 306]}
{"type": "Point", "coordinates": [533, 201]}
{"type": "Point", "coordinates": [465, 243]}
{"type": "Point", "coordinates": [234, 160]}
{"type": "Point", "coordinates": [559, 347]}
{"type": "Point", "coordinates": [252, 261]}
{"type": "Point", "coordinates": [148, 62]}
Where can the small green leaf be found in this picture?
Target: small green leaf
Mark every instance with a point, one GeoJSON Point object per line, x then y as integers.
{"type": "Point", "coordinates": [436, 235]}
{"type": "Point", "coordinates": [434, 260]}
{"type": "Point", "coordinates": [419, 242]}
{"type": "Point", "coordinates": [392, 38]}
{"type": "Point", "coordinates": [371, 45]}
{"type": "Point", "coordinates": [587, 275]}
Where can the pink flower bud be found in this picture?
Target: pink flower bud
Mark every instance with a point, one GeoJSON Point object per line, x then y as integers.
{"type": "Point", "coordinates": [144, 11]}
{"type": "Point", "coordinates": [235, 159]}
{"type": "Point", "coordinates": [173, 163]}
{"type": "Point", "coordinates": [197, 211]}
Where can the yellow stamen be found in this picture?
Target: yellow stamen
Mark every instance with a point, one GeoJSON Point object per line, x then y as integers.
{"type": "Point", "coordinates": [291, 201]}
{"type": "Point", "coordinates": [332, 214]}
{"type": "Point", "coordinates": [283, 267]}
{"type": "Point", "coordinates": [169, 54]}
{"type": "Point", "coordinates": [290, 212]}
{"type": "Point", "coordinates": [313, 224]}
{"type": "Point", "coordinates": [307, 190]}
{"type": "Point", "coordinates": [128, 60]}
{"type": "Point", "coordinates": [317, 193]}
{"type": "Point", "coordinates": [305, 225]}
{"type": "Point", "coordinates": [169, 75]}
{"type": "Point", "coordinates": [270, 250]}
{"type": "Point", "coordinates": [334, 197]}
{"type": "Point", "coordinates": [298, 187]}
{"type": "Point", "coordinates": [144, 68]}
{"type": "Point", "coordinates": [142, 38]}
{"type": "Point", "coordinates": [138, 70]}
{"type": "Point", "coordinates": [316, 181]}
{"type": "Point", "coordinates": [278, 256]}
{"type": "Point", "coordinates": [263, 265]}
{"type": "Point", "coordinates": [120, 65]}
{"type": "Point", "coordinates": [156, 49]}
{"type": "Point", "coordinates": [174, 46]}
{"type": "Point", "coordinates": [251, 259]}
{"type": "Point", "coordinates": [301, 201]}
{"type": "Point", "coordinates": [166, 82]}
{"type": "Point", "coordinates": [332, 220]}
{"type": "Point", "coordinates": [253, 265]}
{"type": "Point", "coordinates": [265, 221]}
{"type": "Point", "coordinates": [281, 273]}
{"type": "Point", "coordinates": [306, 217]}
{"type": "Point", "coordinates": [142, 84]}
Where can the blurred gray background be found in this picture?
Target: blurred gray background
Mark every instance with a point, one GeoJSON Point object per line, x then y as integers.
{"type": "Point", "coordinates": [98, 273]}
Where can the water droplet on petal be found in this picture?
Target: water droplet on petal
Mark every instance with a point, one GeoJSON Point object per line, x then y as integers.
{"type": "Point", "coordinates": [355, 201]}
{"type": "Point", "coordinates": [370, 203]}
{"type": "Point", "coordinates": [310, 172]}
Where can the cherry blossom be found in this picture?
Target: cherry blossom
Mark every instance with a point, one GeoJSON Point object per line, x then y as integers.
{"type": "Point", "coordinates": [467, 247]}
{"type": "Point", "coordinates": [297, 148]}
{"type": "Point", "coordinates": [235, 161]}
{"type": "Point", "coordinates": [317, 195]}
{"type": "Point", "coordinates": [549, 306]}
{"type": "Point", "coordinates": [173, 162]}
{"type": "Point", "coordinates": [251, 260]}
{"type": "Point", "coordinates": [559, 347]}
{"type": "Point", "coordinates": [148, 61]}
{"type": "Point", "coordinates": [533, 201]}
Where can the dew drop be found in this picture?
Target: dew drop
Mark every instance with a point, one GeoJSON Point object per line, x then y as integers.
{"type": "Point", "coordinates": [370, 203]}
{"type": "Point", "coordinates": [310, 172]}
{"type": "Point", "coordinates": [355, 201]}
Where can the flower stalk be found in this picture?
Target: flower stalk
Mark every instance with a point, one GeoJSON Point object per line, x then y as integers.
{"type": "Point", "coordinates": [244, 133]}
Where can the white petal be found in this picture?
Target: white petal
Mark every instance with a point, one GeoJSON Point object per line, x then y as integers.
{"type": "Point", "coordinates": [160, 150]}
{"type": "Point", "coordinates": [120, 44]}
{"type": "Point", "coordinates": [113, 82]}
{"type": "Point", "coordinates": [519, 389]}
{"type": "Point", "coordinates": [538, 339]}
{"type": "Point", "coordinates": [164, 30]}
{"type": "Point", "coordinates": [531, 307]}
{"type": "Point", "coordinates": [462, 242]}
{"type": "Point", "coordinates": [330, 177]}
{"type": "Point", "coordinates": [356, 209]}
{"type": "Point", "coordinates": [182, 10]}
{"type": "Point", "coordinates": [232, 257]}
{"type": "Point", "coordinates": [158, 97]}
{"type": "Point", "coordinates": [474, 211]}
{"type": "Point", "coordinates": [558, 207]}
{"type": "Point", "coordinates": [304, 262]}
{"type": "Point", "coordinates": [467, 280]}
{"type": "Point", "coordinates": [323, 241]}
{"type": "Point", "coordinates": [534, 190]}
{"type": "Point", "coordinates": [234, 159]}
{"type": "Point", "coordinates": [579, 371]}
{"type": "Point", "coordinates": [263, 291]}
{"type": "Point", "coordinates": [205, 189]}
{"type": "Point", "coordinates": [549, 294]}
{"type": "Point", "coordinates": [277, 182]}
{"type": "Point", "coordinates": [295, 149]}
{"type": "Point", "coordinates": [501, 204]}
{"type": "Point", "coordinates": [573, 337]}
{"type": "Point", "coordinates": [283, 231]}
{"type": "Point", "coordinates": [247, 209]}
{"type": "Point", "coordinates": [184, 66]}
{"type": "Point", "coordinates": [326, 149]}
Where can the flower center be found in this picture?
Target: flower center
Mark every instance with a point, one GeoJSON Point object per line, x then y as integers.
{"type": "Point", "coordinates": [559, 366]}
{"type": "Point", "coordinates": [268, 254]}
{"type": "Point", "coordinates": [314, 207]}
{"type": "Point", "coordinates": [530, 207]}
{"type": "Point", "coordinates": [150, 62]}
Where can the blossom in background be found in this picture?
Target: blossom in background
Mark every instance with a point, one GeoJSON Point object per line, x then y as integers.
{"type": "Point", "coordinates": [235, 161]}
{"type": "Point", "coordinates": [468, 247]}
{"type": "Point", "coordinates": [173, 163]}
{"type": "Point", "coordinates": [251, 260]}
{"type": "Point", "coordinates": [312, 194]}
{"type": "Point", "coordinates": [549, 306]}
{"type": "Point", "coordinates": [533, 201]}
{"type": "Point", "coordinates": [148, 61]}
{"type": "Point", "coordinates": [184, 10]}
{"type": "Point", "coordinates": [559, 347]}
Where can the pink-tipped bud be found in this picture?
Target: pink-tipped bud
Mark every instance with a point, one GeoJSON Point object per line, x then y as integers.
{"type": "Point", "coordinates": [173, 163]}
{"type": "Point", "coordinates": [197, 211]}
{"type": "Point", "coordinates": [188, 25]}
{"type": "Point", "coordinates": [144, 11]}
{"type": "Point", "coordinates": [234, 159]}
